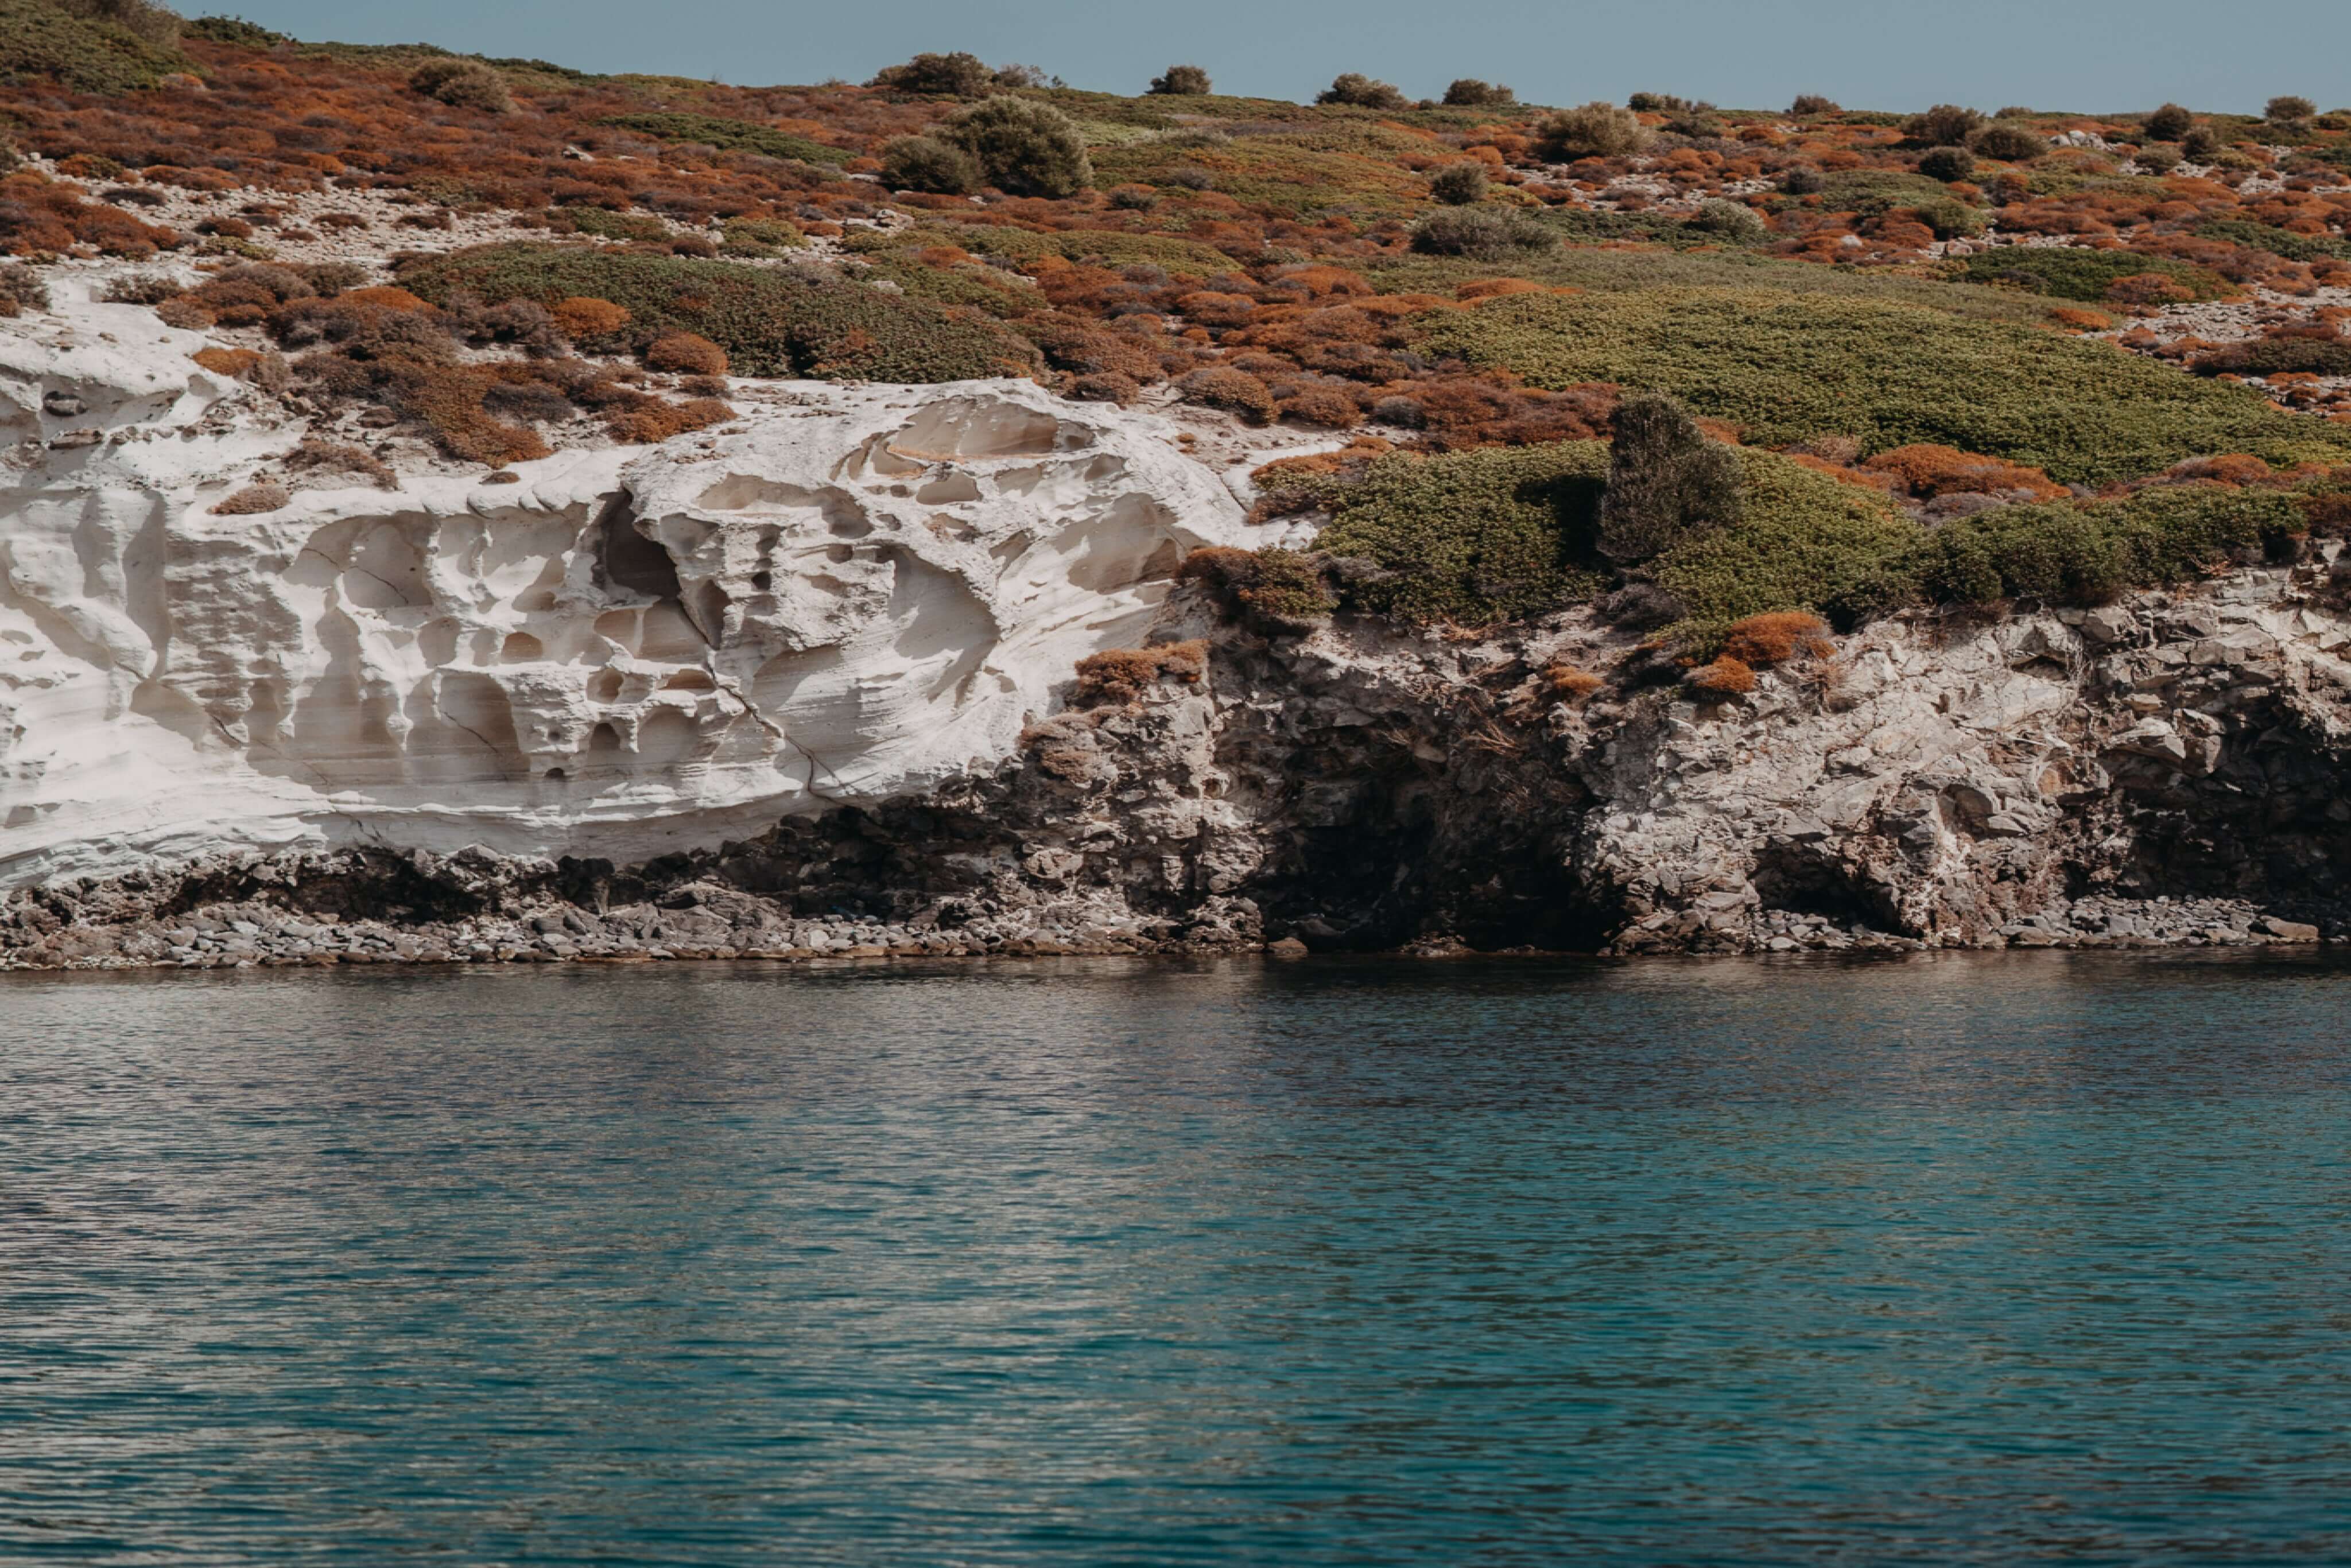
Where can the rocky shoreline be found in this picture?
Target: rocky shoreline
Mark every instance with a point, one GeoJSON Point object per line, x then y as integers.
{"type": "Point", "coordinates": [2159, 773]}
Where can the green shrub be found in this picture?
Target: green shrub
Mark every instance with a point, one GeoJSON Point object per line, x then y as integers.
{"type": "Point", "coordinates": [2288, 108]}
{"type": "Point", "coordinates": [726, 135]}
{"type": "Point", "coordinates": [1950, 219]}
{"type": "Point", "coordinates": [1468, 93]}
{"type": "Point", "coordinates": [2085, 553]}
{"type": "Point", "coordinates": [1733, 221]}
{"type": "Point", "coordinates": [1183, 81]}
{"type": "Point", "coordinates": [462, 83]}
{"type": "Point", "coordinates": [1481, 234]}
{"type": "Point", "coordinates": [2156, 158]}
{"type": "Point", "coordinates": [1024, 147]}
{"type": "Point", "coordinates": [1666, 482]}
{"type": "Point", "coordinates": [2009, 141]}
{"type": "Point", "coordinates": [2168, 123]}
{"type": "Point", "coordinates": [2280, 356]}
{"type": "Point", "coordinates": [1473, 536]}
{"type": "Point", "coordinates": [1803, 541]}
{"type": "Point", "coordinates": [1948, 163]}
{"type": "Point", "coordinates": [928, 164]}
{"type": "Point", "coordinates": [1812, 106]}
{"type": "Point", "coordinates": [1786, 368]}
{"type": "Point", "coordinates": [605, 224]}
{"type": "Point", "coordinates": [1353, 88]}
{"type": "Point", "coordinates": [1874, 192]}
{"type": "Point", "coordinates": [957, 75]}
{"type": "Point", "coordinates": [2072, 272]}
{"type": "Point", "coordinates": [1460, 185]}
{"type": "Point", "coordinates": [771, 323]}
{"type": "Point", "coordinates": [1595, 130]}
{"type": "Point", "coordinates": [83, 51]}
{"type": "Point", "coordinates": [759, 236]}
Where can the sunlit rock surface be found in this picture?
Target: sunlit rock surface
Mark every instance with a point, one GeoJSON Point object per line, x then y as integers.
{"type": "Point", "coordinates": [628, 652]}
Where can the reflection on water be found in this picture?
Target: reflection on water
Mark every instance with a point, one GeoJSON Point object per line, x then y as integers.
{"type": "Point", "coordinates": [1989, 1259]}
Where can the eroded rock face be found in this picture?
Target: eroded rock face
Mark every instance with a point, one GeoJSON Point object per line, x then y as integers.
{"type": "Point", "coordinates": [629, 653]}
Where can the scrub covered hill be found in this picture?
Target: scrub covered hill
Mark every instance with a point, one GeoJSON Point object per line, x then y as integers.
{"type": "Point", "coordinates": [2104, 348]}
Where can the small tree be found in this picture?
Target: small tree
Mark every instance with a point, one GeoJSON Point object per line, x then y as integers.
{"type": "Point", "coordinates": [1666, 482]}
{"type": "Point", "coordinates": [1363, 92]}
{"type": "Point", "coordinates": [2168, 123]}
{"type": "Point", "coordinates": [2288, 107]}
{"type": "Point", "coordinates": [1945, 125]}
{"type": "Point", "coordinates": [1595, 130]}
{"type": "Point", "coordinates": [928, 164]}
{"type": "Point", "coordinates": [1183, 81]}
{"type": "Point", "coordinates": [1810, 104]}
{"type": "Point", "coordinates": [1024, 147]}
{"type": "Point", "coordinates": [1948, 163]}
{"type": "Point", "coordinates": [958, 75]}
{"type": "Point", "coordinates": [1655, 103]}
{"type": "Point", "coordinates": [2009, 141]}
{"type": "Point", "coordinates": [1460, 185]}
{"type": "Point", "coordinates": [1470, 93]}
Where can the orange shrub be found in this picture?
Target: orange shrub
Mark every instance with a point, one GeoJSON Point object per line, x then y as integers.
{"type": "Point", "coordinates": [2080, 320]}
{"type": "Point", "coordinates": [584, 317]}
{"type": "Point", "coordinates": [1761, 641]}
{"type": "Point", "coordinates": [2229, 468]}
{"type": "Point", "coordinates": [1928, 470]}
{"type": "Point", "coordinates": [1726, 677]}
{"type": "Point", "coordinates": [686, 354]}
{"type": "Point", "coordinates": [225, 362]}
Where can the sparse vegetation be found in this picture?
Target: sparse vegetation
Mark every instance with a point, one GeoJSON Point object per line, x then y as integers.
{"type": "Point", "coordinates": [770, 323]}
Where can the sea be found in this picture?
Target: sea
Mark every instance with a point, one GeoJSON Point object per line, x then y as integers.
{"type": "Point", "coordinates": [1964, 1258]}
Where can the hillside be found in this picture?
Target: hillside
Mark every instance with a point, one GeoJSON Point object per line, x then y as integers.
{"type": "Point", "coordinates": [445, 453]}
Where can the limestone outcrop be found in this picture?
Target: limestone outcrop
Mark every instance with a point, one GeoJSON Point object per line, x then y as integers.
{"type": "Point", "coordinates": [621, 652]}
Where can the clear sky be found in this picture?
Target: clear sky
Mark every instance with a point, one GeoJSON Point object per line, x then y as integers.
{"type": "Point", "coordinates": [2085, 54]}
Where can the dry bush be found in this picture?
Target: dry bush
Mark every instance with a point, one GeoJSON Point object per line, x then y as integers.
{"type": "Point", "coordinates": [1595, 130]}
{"type": "Point", "coordinates": [1123, 675]}
{"type": "Point", "coordinates": [262, 496]}
{"type": "Point", "coordinates": [314, 455]}
{"type": "Point", "coordinates": [1759, 642]}
{"type": "Point", "coordinates": [686, 353]}
{"type": "Point", "coordinates": [1726, 677]}
{"type": "Point", "coordinates": [581, 317]}
{"type": "Point", "coordinates": [1926, 471]}
{"type": "Point", "coordinates": [1569, 684]}
{"type": "Point", "coordinates": [1235, 391]}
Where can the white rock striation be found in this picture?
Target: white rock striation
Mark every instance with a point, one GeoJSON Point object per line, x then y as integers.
{"type": "Point", "coordinates": [628, 652]}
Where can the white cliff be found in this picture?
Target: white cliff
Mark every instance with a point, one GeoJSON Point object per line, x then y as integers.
{"type": "Point", "coordinates": [627, 651]}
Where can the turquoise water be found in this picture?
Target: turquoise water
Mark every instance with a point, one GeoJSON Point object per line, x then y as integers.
{"type": "Point", "coordinates": [1974, 1260]}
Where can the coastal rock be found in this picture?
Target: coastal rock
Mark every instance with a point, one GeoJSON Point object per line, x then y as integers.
{"type": "Point", "coordinates": [625, 653]}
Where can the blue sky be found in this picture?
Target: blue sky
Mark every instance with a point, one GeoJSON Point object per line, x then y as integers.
{"type": "Point", "coordinates": [2085, 54]}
